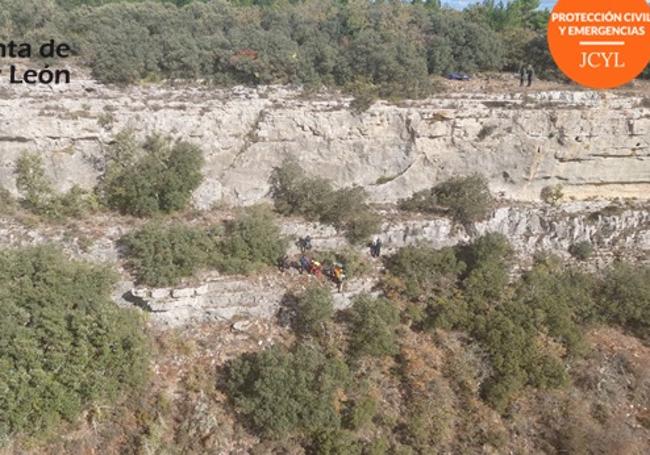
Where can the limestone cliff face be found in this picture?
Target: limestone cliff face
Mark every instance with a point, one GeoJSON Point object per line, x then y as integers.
{"type": "Point", "coordinates": [595, 144]}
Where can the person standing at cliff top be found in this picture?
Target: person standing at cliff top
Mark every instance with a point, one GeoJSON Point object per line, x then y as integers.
{"type": "Point", "coordinates": [530, 74]}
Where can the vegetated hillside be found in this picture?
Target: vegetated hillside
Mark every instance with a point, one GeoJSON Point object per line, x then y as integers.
{"type": "Point", "coordinates": [375, 48]}
{"type": "Point", "coordinates": [453, 349]}
{"type": "Point", "coordinates": [453, 358]}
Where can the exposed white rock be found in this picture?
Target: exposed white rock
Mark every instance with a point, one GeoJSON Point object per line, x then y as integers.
{"type": "Point", "coordinates": [160, 293]}
{"type": "Point", "coordinates": [141, 293]}
{"type": "Point", "coordinates": [183, 293]}
{"type": "Point", "coordinates": [242, 326]}
{"type": "Point", "coordinates": [595, 144]}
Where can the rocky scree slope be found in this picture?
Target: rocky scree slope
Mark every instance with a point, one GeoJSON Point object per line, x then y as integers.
{"type": "Point", "coordinates": [596, 144]}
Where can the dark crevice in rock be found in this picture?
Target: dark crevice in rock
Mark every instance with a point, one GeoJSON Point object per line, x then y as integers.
{"type": "Point", "coordinates": [14, 139]}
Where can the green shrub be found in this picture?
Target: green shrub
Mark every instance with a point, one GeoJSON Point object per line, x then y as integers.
{"type": "Point", "coordinates": [424, 271]}
{"type": "Point", "coordinates": [161, 255]}
{"type": "Point", "coordinates": [280, 392]}
{"type": "Point", "coordinates": [509, 335]}
{"type": "Point", "coordinates": [158, 177]}
{"type": "Point", "coordinates": [373, 323]}
{"type": "Point", "coordinates": [355, 264]}
{"type": "Point", "coordinates": [335, 442]}
{"type": "Point", "coordinates": [361, 412]}
{"type": "Point", "coordinates": [561, 299]}
{"type": "Point", "coordinates": [7, 201]}
{"type": "Point", "coordinates": [429, 418]}
{"type": "Point", "coordinates": [63, 343]}
{"type": "Point", "coordinates": [32, 182]}
{"type": "Point", "coordinates": [40, 198]}
{"type": "Point", "coordinates": [361, 225]}
{"type": "Point", "coordinates": [487, 274]}
{"type": "Point", "coordinates": [510, 348]}
{"type": "Point", "coordinates": [490, 247]}
{"type": "Point", "coordinates": [624, 297]}
{"type": "Point", "coordinates": [379, 446]}
{"type": "Point", "coordinates": [466, 199]}
{"type": "Point", "coordinates": [364, 94]}
{"type": "Point", "coordinates": [581, 250]}
{"type": "Point", "coordinates": [468, 288]}
{"type": "Point", "coordinates": [105, 120]}
{"type": "Point", "coordinates": [251, 242]}
{"type": "Point", "coordinates": [294, 193]}
{"type": "Point", "coordinates": [74, 203]}
{"type": "Point", "coordinates": [313, 310]}
{"type": "Point", "coordinates": [552, 194]}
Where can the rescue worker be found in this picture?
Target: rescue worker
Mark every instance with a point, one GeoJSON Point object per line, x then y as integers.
{"type": "Point", "coordinates": [284, 263]}
{"type": "Point", "coordinates": [375, 248]}
{"type": "Point", "coordinates": [339, 276]}
{"type": "Point", "coordinates": [316, 269]}
{"type": "Point", "coordinates": [305, 264]}
{"type": "Point", "coordinates": [304, 243]}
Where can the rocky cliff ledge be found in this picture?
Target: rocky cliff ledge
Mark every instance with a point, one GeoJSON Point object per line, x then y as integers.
{"type": "Point", "coordinates": [595, 144]}
{"type": "Point", "coordinates": [613, 230]}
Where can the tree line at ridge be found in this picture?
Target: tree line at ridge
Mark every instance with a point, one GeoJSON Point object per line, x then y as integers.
{"type": "Point", "coordinates": [391, 47]}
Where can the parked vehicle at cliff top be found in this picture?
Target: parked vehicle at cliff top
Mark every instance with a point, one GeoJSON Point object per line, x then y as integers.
{"type": "Point", "coordinates": [458, 76]}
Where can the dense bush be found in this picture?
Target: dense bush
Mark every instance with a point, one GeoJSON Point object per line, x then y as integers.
{"type": "Point", "coordinates": [552, 194]}
{"type": "Point", "coordinates": [160, 255]}
{"type": "Point", "coordinates": [487, 273]}
{"type": "Point", "coordinates": [361, 224]}
{"type": "Point", "coordinates": [157, 177]}
{"type": "Point", "coordinates": [63, 342]}
{"type": "Point", "coordinates": [281, 392]}
{"type": "Point", "coordinates": [295, 193]}
{"type": "Point", "coordinates": [335, 442]}
{"type": "Point", "coordinates": [468, 288]}
{"type": "Point", "coordinates": [373, 323]}
{"type": "Point", "coordinates": [624, 298]}
{"type": "Point", "coordinates": [354, 263]}
{"type": "Point", "coordinates": [314, 309]}
{"type": "Point", "coordinates": [251, 241]}
{"type": "Point", "coordinates": [466, 199]}
{"type": "Point", "coordinates": [581, 250]}
{"type": "Point", "coordinates": [508, 318]}
{"type": "Point", "coordinates": [429, 418]}
{"type": "Point", "coordinates": [561, 298]}
{"type": "Point", "coordinates": [7, 201]}
{"type": "Point", "coordinates": [424, 271]}
{"type": "Point", "coordinates": [39, 197]}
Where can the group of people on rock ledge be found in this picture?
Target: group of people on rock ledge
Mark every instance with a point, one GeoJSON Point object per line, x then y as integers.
{"type": "Point", "coordinates": [335, 271]}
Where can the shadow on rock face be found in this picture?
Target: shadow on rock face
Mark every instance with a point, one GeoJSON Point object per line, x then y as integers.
{"type": "Point", "coordinates": [140, 303]}
{"type": "Point", "coordinates": [286, 314]}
